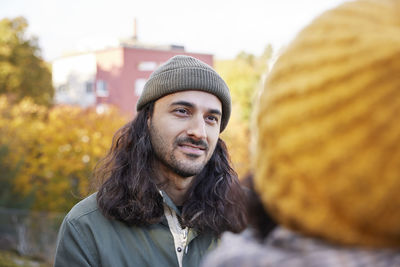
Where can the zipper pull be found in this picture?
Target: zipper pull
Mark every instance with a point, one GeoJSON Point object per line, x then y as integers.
{"type": "Point", "coordinates": [185, 232]}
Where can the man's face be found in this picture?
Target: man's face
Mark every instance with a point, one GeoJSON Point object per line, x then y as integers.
{"type": "Point", "coordinates": [184, 130]}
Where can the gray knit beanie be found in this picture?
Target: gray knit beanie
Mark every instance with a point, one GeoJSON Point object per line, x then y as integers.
{"type": "Point", "coordinates": [182, 73]}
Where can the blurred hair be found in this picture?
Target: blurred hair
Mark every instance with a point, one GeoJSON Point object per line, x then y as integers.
{"type": "Point", "coordinates": [129, 193]}
{"type": "Point", "coordinates": [257, 216]}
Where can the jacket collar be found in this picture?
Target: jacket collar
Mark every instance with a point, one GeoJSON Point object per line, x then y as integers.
{"type": "Point", "coordinates": [168, 201]}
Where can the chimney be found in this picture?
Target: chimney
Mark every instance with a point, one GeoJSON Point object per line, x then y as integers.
{"type": "Point", "coordinates": [135, 29]}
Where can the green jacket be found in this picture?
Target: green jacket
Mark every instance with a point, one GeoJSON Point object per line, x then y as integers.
{"type": "Point", "coordinates": [87, 238]}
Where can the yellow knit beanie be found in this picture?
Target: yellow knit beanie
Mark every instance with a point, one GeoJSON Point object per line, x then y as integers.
{"type": "Point", "coordinates": [328, 139]}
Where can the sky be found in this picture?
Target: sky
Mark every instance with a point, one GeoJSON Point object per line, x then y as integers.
{"type": "Point", "coordinates": [223, 28]}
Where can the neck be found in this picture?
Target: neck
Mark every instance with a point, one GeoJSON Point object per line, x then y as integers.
{"type": "Point", "coordinates": [174, 185]}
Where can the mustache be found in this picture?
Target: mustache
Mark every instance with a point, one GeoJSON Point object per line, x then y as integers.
{"type": "Point", "coordinates": [185, 140]}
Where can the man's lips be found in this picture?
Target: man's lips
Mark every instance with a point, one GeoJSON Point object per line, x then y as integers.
{"type": "Point", "coordinates": [192, 149]}
{"type": "Point", "coordinates": [193, 145]}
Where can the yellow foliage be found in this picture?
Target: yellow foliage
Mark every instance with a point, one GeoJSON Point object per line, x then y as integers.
{"type": "Point", "coordinates": [237, 139]}
{"type": "Point", "coordinates": [23, 73]}
{"type": "Point", "coordinates": [56, 149]}
{"type": "Point", "coordinates": [243, 77]}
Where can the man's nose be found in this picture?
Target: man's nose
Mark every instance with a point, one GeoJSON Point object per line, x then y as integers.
{"type": "Point", "coordinates": [197, 128]}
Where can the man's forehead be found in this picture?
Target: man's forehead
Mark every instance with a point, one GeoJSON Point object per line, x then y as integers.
{"type": "Point", "coordinates": [195, 97]}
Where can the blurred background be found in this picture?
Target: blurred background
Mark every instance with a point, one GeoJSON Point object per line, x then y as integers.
{"type": "Point", "coordinates": [72, 71]}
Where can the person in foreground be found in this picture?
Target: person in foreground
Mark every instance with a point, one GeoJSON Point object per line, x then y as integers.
{"type": "Point", "coordinates": [169, 190]}
{"type": "Point", "coordinates": [327, 163]}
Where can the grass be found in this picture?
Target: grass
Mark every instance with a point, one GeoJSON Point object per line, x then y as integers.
{"type": "Point", "coordinates": [12, 259]}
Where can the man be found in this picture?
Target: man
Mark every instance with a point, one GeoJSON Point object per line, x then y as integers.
{"type": "Point", "coordinates": [169, 190]}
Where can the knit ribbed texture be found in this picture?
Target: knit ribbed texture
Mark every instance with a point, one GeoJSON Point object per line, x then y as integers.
{"type": "Point", "coordinates": [182, 73]}
{"type": "Point", "coordinates": [328, 158]}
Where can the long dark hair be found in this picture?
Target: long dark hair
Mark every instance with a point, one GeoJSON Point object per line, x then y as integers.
{"type": "Point", "coordinates": [129, 193]}
{"type": "Point", "coordinates": [258, 217]}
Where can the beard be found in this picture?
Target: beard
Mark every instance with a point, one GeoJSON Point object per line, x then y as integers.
{"type": "Point", "coordinates": [164, 153]}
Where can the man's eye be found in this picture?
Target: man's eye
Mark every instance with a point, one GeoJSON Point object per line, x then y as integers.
{"type": "Point", "coordinates": [181, 111]}
{"type": "Point", "coordinates": [212, 119]}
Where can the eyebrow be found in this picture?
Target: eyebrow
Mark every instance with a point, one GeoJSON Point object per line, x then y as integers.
{"type": "Point", "coordinates": [190, 105]}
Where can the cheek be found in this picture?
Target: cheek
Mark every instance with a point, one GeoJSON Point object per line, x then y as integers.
{"type": "Point", "coordinates": [167, 130]}
{"type": "Point", "coordinates": [213, 138]}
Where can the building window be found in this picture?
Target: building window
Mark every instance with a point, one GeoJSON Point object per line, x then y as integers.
{"type": "Point", "coordinates": [63, 88]}
{"type": "Point", "coordinates": [139, 85]}
{"type": "Point", "coordinates": [101, 88]}
{"type": "Point", "coordinates": [147, 66]}
{"type": "Point", "coordinates": [89, 87]}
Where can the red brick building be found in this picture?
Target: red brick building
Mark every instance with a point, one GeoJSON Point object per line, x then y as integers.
{"type": "Point", "coordinates": [113, 76]}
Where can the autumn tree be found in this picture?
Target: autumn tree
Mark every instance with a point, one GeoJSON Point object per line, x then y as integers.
{"type": "Point", "coordinates": [243, 75]}
{"type": "Point", "coordinates": [23, 73]}
{"type": "Point", "coordinates": [54, 151]}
